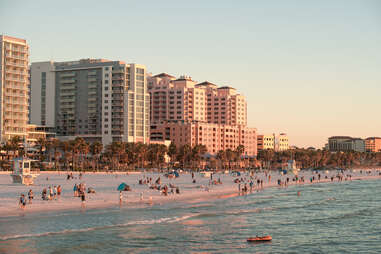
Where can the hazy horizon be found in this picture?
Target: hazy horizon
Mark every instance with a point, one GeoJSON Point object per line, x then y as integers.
{"type": "Point", "coordinates": [309, 69]}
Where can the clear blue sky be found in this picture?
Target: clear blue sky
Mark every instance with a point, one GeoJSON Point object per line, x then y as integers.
{"type": "Point", "coordinates": [308, 68]}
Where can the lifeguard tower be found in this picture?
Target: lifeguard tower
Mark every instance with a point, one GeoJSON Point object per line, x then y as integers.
{"type": "Point", "coordinates": [21, 171]}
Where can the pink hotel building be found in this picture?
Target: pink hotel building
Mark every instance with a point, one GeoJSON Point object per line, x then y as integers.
{"type": "Point", "coordinates": [189, 113]}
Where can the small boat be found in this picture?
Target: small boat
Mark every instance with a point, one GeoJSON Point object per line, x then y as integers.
{"type": "Point", "coordinates": [266, 238]}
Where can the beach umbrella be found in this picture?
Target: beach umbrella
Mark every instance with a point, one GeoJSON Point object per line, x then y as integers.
{"type": "Point", "coordinates": [122, 187]}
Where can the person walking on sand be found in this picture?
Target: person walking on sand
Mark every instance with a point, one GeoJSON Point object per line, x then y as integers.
{"type": "Point", "coordinates": [22, 201]}
{"type": "Point", "coordinates": [30, 196]}
{"type": "Point", "coordinates": [120, 197]}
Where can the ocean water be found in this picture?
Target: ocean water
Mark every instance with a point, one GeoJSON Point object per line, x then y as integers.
{"type": "Point", "coordinates": [326, 218]}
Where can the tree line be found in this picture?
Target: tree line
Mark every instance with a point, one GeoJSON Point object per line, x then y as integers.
{"type": "Point", "coordinates": [78, 154]}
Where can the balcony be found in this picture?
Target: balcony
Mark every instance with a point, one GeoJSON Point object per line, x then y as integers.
{"type": "Point", "coordinates": [22, 65]}
{"type": "Point", "coordinates": [67, 81]}
{"type": "Point", "coordinates": [67, 74]}
{"type": "Point", "coordinates": [18, 72]}
{"type": "Point", "coordinates": [22, 58]}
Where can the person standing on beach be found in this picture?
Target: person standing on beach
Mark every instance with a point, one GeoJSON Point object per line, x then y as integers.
{"type": "Point", "coordinates": [54, 192]}
{"type": "Point", "coordinates": [239, 187]}
{"type": "Point", "coordinates": [75, 189]}
{"type": "Point", "coordinates": [59, 190]}
{"type": "Point", "coordinates": [30, 196]}
{"type": "Point", "coordinates": [83, 198]}
{"type": "Point", "coordinates": [22, 201]}
{"type": "Point", "coordinates": [120, 197]}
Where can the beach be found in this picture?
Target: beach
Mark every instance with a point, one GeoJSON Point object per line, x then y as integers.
{"type": "Point", "coordinates": [106, 194]}
{"type": "Point", "coordinates": [327, 217]}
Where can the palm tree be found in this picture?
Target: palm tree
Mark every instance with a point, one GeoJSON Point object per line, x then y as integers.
{"type": "Point", "coordinates": [96, 149]}
{"type": "Point", "coordinates": [239, 151]}
{"type": "Point", "coordinates": [41, 143]}
{"type": "Point", "coordinates": [184, 154]}
{"type": "Point", "coordinates": [115, 150]}
{"type": "Point", "coordinates": [172, 152]}
{"type": "Point", "coordinates": [56, 144]}
{"type": "Point", "coordinates": [198, 152]}
{"type": "Point", "coordinates": [221, 155]}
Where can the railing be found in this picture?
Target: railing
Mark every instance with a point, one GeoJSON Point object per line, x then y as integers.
{"type": "Point", "coordinates": [15, 64]}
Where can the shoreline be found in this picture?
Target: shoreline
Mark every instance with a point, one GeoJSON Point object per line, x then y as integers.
{"type": "Point", "coordinates": [194, 195]}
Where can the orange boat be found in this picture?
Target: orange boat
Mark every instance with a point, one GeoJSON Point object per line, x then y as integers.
{"type": "Point", "coordinates": [260, 238]}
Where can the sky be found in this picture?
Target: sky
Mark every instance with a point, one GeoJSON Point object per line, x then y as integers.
{"type": "Point", "coordinates": [310, 69]}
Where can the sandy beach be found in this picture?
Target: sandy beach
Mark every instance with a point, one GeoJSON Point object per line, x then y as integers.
{"type": "Point", "coordinates": [105, 185]}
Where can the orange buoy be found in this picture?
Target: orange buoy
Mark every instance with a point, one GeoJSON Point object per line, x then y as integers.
{"type": "Point", "coordinates": [260, 238]}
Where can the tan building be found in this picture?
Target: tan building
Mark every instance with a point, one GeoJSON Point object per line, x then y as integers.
{"type": "Point", "coordinates": [189, 113]}
{"type": "Point", "coordinates": [272, 141]}
{"type": "Point", "coordinates": [214, 136]}
{"type": "Point", "coordinates": [183, 99]}
{"type": "Point", "coordinates": [265, 142]}
{"type": "Point", "coordinates": [14, 80]}
{"type": "Point", "coordinates": [373, 144]}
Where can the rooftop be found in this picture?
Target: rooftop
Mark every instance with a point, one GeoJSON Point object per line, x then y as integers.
{"type": "Point", "coordinates": [162, 75]}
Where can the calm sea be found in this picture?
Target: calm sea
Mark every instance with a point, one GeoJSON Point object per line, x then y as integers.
{"type": "Point", "coordinates": [325, 218]}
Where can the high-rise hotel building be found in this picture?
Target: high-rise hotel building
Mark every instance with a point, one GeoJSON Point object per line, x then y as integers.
{"type": "Point", "coordinates": [187, 112]}
{"type": "Point", "coordinates": [97, 99]}
{"type": "Point", "coordinates": [13, 87]}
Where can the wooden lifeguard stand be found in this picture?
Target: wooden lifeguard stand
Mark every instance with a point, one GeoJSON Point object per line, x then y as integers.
{"type": "Point", "coordinates": [21, 171]}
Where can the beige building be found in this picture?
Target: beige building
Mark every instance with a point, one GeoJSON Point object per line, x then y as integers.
{"type": "Point", "coordinates": [373, 144]}
{"type": "Point", "coordinates": [183, 99]}
{"type": "Point", "coordinates": [189, 113]}
{"type": "Point", "coordinates": [14, 80]}
{"type": "Point", "coordinates": [272, 141]}
{"type": "Point", "coordinates": [215, 137]}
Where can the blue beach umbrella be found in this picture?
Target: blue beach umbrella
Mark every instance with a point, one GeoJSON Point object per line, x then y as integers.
{"type": "Point", "coordinates": [122, 187]}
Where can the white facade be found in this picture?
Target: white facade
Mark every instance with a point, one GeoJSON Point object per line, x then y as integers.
{"type": "Point", "coordinates": [43, 93]}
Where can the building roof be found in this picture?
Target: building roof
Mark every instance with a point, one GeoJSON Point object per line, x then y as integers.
{"type": "Point", "coordinates": [373, 138]}
{"type": "Point", "coordinates": [226, 87]}
{"type": "Point", "coordinates": [206, 83]}
{"type": "Point", "coordinates": [162, 75]}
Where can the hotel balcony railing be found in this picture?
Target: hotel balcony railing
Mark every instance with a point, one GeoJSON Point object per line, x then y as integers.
{"type": "Point", "coordinates": [16, 49]}
{"type": "Point", "coordinates": [18, 110]}
{"type": "Point", "coordinates": [18, 102]}
{"type": "Point", "coordinates": [15, 79]}
{"type": "Point", "coordinates": [23, 65]}
{"type": "Point", "coordinates": [18, 72]}
{"type": "Point", "coordinates": [23, 58]}
{"type": "Point", "coordinates": [19, 87]}
{"type": "Point", "coordinates": [16, 95]}
{"type": "Point", "coordinates": [67, 75]}
{"type": "Point", "coordinates": [67, 81]}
